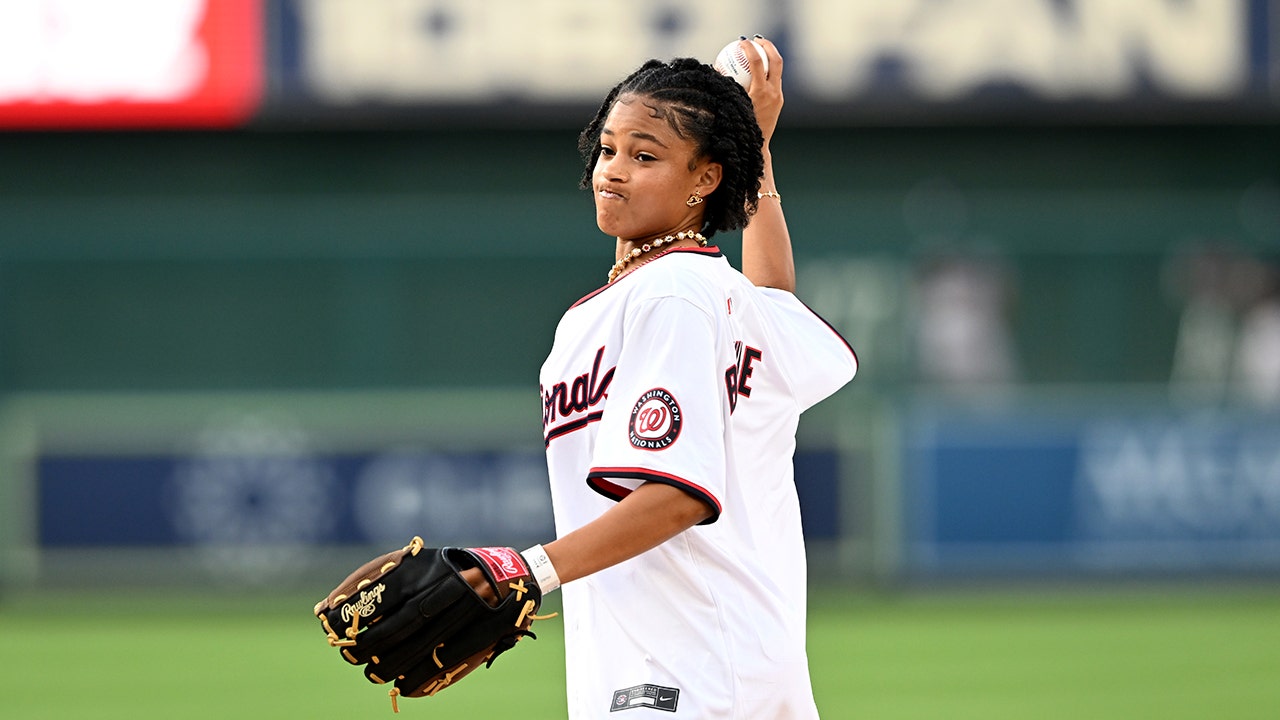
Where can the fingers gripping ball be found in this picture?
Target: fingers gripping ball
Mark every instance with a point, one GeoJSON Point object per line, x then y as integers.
{"type": "Point", "coordinates": [411, 618]}
{"type": "Point", "coordinates": [732, 61]}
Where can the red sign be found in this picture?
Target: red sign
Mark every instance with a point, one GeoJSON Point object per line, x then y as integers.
{"type": "Point", "coordinates": [130, 63]}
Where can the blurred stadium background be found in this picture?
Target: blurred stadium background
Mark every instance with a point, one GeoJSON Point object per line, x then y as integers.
{"type": "Point", "coordinates": [276, 277]}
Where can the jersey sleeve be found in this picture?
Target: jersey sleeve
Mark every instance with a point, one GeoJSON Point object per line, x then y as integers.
{"type": "Point", "coordinates": [816, 359]}
{"type": "Point", "coordinates": [664, 420]}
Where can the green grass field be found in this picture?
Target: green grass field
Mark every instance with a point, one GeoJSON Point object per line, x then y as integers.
{"type": "Point", "coordinates": [1084, 655]}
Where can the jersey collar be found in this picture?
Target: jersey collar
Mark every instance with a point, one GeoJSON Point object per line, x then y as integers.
{"type": "Point", "coordinates": [712, 251]}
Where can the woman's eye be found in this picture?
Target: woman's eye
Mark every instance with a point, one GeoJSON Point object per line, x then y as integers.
{"type": "Point", "coordinates": [606, 151]}
{"type": "Point", "coordinates": [645, 157]}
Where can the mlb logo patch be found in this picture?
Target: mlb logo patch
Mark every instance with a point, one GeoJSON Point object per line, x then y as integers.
{"type": "Point", "coordinates": [655, 697]}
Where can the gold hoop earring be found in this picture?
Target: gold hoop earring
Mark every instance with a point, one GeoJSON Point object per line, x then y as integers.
{"type": "Point", "coordinates": [694, 199]}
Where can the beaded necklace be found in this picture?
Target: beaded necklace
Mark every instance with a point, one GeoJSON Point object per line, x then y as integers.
{"type": "Point", "coordinates": [619, 266]}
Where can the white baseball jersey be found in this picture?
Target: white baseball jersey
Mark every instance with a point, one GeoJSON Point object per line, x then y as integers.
{"type": "Point", "coordinates": [684, 373]}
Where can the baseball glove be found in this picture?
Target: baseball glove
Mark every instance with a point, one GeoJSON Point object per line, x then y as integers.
{"type": "Point", "coordinates": [411, 618]}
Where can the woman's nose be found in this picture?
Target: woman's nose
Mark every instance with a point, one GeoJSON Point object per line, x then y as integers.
{"type": "Point", "coordinates": [610, 169]}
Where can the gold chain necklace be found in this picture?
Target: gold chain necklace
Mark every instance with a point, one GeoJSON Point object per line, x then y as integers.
{"type": "Point", "coordinates": [619, 266]}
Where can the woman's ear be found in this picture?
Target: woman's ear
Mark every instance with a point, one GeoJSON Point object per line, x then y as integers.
{"type": "Point", "coordinates": [708, 176]}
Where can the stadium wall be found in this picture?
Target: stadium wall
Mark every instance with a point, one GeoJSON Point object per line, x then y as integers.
{"type": "Point", "coordinates": [381, 300]}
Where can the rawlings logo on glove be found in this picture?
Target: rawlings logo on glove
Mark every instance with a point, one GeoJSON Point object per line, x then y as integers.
{"type": "Point", "coordinates": [412, 619]}
{"type": "Point", "coordinates": [365, 606]}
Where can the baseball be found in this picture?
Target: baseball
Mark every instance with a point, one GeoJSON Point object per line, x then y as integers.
{"type": "Point", "coordinates": [732, 61]}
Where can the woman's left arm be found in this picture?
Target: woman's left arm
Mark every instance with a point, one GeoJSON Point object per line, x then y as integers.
{"type": "Point", "coordinates": [649, 516]}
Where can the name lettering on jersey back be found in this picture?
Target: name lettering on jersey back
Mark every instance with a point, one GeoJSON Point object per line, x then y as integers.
{"type": "Point", "coordinates": [737, 379]}
{"type": "Point", "coordinates": [565, 399]}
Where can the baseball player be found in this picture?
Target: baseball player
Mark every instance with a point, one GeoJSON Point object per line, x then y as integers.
{"type": "Point", "coordinates": [671, 398]}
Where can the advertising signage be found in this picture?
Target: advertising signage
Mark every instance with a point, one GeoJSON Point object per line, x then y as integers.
{"type": "Point", "coordinates": [129, 63]}
{"type": "Point", "coordinates": [870, 60]}
{"type": "Point", "coordinates": [220, 63]}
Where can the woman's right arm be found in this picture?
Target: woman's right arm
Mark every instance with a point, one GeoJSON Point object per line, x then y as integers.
{"type": "Point", "coordinates": [766, 243]}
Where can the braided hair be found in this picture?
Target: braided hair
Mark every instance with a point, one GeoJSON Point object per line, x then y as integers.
{"type": "Point", "coordinates": [714, 112]}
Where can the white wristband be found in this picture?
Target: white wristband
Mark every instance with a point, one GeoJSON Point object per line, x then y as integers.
{"type": "Point", "coordinates": [543, 571]}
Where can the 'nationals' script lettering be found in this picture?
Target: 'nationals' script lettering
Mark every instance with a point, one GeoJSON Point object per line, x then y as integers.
{"type": "Point", "coordinates": [564, 399]}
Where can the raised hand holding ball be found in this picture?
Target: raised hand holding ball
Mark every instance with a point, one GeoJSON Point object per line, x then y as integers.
{"type": "Point", "coordinates": [732, 61]}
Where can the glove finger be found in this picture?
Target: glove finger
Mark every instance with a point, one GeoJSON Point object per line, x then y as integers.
{"type": "Point", "coordinates": [437, 612]}
{"type": "Point", "coordinates": [443, 643]}
{"type": "Point", "coordinates": [427, 679]}
{"type": "Point", "coordinates": [482, 633]}
{"type": "Point", "coordinates": [401, 641]}
{"type": "Point", "coordinates": [370, 594]}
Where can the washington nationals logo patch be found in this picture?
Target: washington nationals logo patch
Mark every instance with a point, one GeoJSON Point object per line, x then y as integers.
{"type": "Point", "coordinates": [655, 420]}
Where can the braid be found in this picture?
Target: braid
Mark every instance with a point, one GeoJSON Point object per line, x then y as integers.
{"type": "Point", "coordinates": [711, 110]}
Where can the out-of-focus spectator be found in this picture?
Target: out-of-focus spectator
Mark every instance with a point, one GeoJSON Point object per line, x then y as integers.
{"type": "Point", "coordinates": [1257, 361]}
{"type": "Point", "coordinates": [1228, 343]}
{"type": "Point", "coordinates": [963, 339]}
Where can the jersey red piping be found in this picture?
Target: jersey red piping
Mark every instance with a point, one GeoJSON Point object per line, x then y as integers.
{"type": "Point", "coordinates": [597, 479]}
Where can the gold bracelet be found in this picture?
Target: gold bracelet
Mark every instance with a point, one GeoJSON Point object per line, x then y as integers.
{"type": "Point", "coordinates": [763, 195]}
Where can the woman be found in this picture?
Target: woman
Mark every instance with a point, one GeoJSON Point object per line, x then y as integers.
{"type": "Point", "coordinates": [670, 402]}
